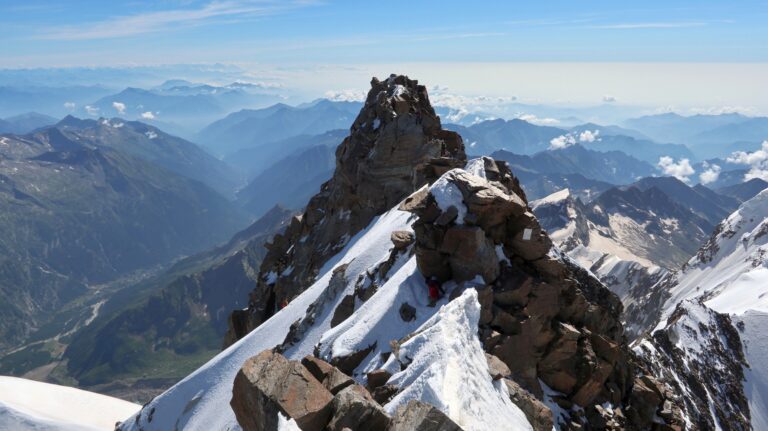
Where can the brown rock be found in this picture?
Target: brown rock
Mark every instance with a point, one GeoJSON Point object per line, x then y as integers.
{"type": "Point", "coordinates": [269, 384]}
{"type": "Point", "coordinates": [354, 408]}
{"type": "Point", "coordinates": [485, 297]}
{"type": "Point", "coordinates": [505, 322]}
{"type": "Point", "coordinates": [383, 394]}
{"type": "Point", "coordinates": [331, 377]}
{"type": "Point", "coordinates": [644, 401]}
{"type": "Point", "coordinates": [407, 312]}
{"type": "Point", "coordinates": [345, 309]}
{"type": "Point", "coordinates": [447, 217]}
{"type": "Point", "coordinates": [347, 364]}
{"type": "Point", "coordinates": [419, 416]}
{"type": "Point", "coordinates": [491, 204]}
{"type": "Point", "coordinates": [402, 239]}
{"type": "Point", "coordinates": [497, 368]}
{"type": "Point", "coordinates": [378, 378]}
{"type": "Point", "coordinates": [470, 253]}
{"type": "Point", "coordinates": [514, 288]}
{"type": "Point", "coordinates": [594, 384]}
{"type": "Point", "coordinates": [538, 414]}
{"type": "Point", "coordinates": [529, 241]}
{"type": "Point", "coordinates": [433, 263]}
{"type": "Point", "coordinates": [558, 367]}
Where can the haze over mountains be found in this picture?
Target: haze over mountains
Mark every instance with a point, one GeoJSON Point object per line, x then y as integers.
{"type": "Point", "coordinates": [126, 247]}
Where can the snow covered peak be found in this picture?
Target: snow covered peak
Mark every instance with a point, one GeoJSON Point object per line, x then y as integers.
{"type": "Point", "coordinates": [554, 198]}
{"type": "Point", "coordinates": [30, 405]}
{"type": "Point", "coordinates": [731, 269]}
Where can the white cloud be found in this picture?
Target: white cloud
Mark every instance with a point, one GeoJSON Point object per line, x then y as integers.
{"type": "Point", "coordinates": [346, 95]}
{"type": "Point", "coordinates": [645, 25]}
{"type": "Point", "coordinates": [119, 107]}
{"type": "Point", "coordinates": [757, 161]}
{"type": "Point", "coordinates": [589, 136]}
{"type": "Point", "coordinates": [536, 120]}
{"type": "Point", "coordinates": [711, 173]}
{"type": "Point", "coordinates": [164, 20]}
{"type": "Point", "coordinates": [726, 109]}
{"type": "Point", "coordinates": [92, 110]}
{"type": "Point", "coordinates": [70, 106]}
{"type": "Point", "coordinates": [609, 99]}
{"type": "Point", "coordinates": [148, 115]}
{"type": "Point", "coordinates": [680, 170]}
{"type": "Point", "coordinates": [565, 141]}
{"type": "Point", "coordinates": [562, 141]}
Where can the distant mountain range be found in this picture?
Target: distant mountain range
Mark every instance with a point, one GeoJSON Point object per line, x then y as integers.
{"type": "Point", "coordinates": [77, 215]}
{"type": "Point", "coordinates": [707, 135]}
{"type": "Point", "coordinates": [54, 101]}
{"type": "Point", "coordinates": [521, 137]}
{"type": "Point", "coordinates": [290, 181]}
{"type": "Point", "coordinates": [632, 237]}
{"type": "Point", "coordinates": [248, 129]}
{"type": "Point", "coordinates": [251, 162]}
{"type": "Point", "coordinates": [25, 123]}
{"type": "Point", "coordinates": [154, 145]}
{"type": "Point", "coordinates": [613, 167]}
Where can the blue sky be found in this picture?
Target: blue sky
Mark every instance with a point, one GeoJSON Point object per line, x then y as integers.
{"type": "Point", "coordinates": [89, 32]}
{"type": "Point", "coordinates": [703, 55]}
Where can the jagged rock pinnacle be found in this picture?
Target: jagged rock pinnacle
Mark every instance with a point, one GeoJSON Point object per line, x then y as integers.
{"type": "Point", "coordinates": [396, 145]}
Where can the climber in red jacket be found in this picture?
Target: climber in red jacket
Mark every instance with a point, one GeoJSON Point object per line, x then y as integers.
{"type": "Point", "coordinates": [435, 289]}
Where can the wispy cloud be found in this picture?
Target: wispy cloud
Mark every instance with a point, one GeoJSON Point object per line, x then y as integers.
{"type": "Point", "coordinates": [650, 25]}
{"type": "Point", "coordinates": [153, 22]}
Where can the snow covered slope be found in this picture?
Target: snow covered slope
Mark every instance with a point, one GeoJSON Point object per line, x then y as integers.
{"type": "Point", "coordinates": [731, 269]}
{"type": "Point", "coordinates": [30, 405]}
{"type": "Point", "coordinates": [729, 275]}
{"type": "Point", "coordinates": [201, 401]}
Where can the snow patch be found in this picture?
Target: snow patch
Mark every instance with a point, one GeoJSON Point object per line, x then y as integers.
{"type": "Point", "coordinates": [447, 195]}
{"type": "Point", "coordinates": [44, 406]}
{"type": "Point", "coordinates": [447, 368]}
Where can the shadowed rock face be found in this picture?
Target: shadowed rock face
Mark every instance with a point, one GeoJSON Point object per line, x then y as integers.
{"type": "Point", "coordinates": [547, 319]}
{"type": "Point", "coordinates": [395, 146]}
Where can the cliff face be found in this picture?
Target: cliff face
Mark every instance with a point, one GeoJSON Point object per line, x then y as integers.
{"type": "Point", "coordinates": [396, 144]}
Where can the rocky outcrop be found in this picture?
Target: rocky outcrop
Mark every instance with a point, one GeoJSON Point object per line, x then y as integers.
{"type": "Point", "coordinates": [354, 407]}
{"type": "Point", "coordinates": [544, 317]}
{"type": "Point", "coordinates": [318, 396]}
{"type": "Point", "coordinates": [268, 384]}
{"type": "Point", "coordinates": [698, 353]}
{"type": "Point", "coordinates": [395, 146]}
{"type": "Point", "coordinates": [538, 414]}
{"type": "Point", "coordinates": [419, 416]}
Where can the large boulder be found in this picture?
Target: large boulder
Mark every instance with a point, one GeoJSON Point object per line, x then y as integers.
{"type": "Point", "coordinates": [269, 384]}
{"type": "Point", "coordinates": [538, 414]}
{"type": "Point", "coordinates": [331, 377]}
{"type": "Point", "coordinates": [354, 408]}
{"type": "Point", "coordinates": [471, 253]}
{"type": "Point", "coordinates": [419, 416]}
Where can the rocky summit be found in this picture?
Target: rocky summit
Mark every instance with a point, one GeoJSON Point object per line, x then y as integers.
{"type": "Point", "coordinates": [341, 331]}
{"type": "Point", "coordinates": [396, 145]}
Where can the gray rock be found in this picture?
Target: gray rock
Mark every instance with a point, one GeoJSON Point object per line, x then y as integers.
{"type": "Point", "coordinates": [355, 408]}
{"type": "Point", "coordinates": [419, 416]}
{"type": "Point", "coordinates": [269, 384]}
{"type": "Point", "coordinates": [407, 312]}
